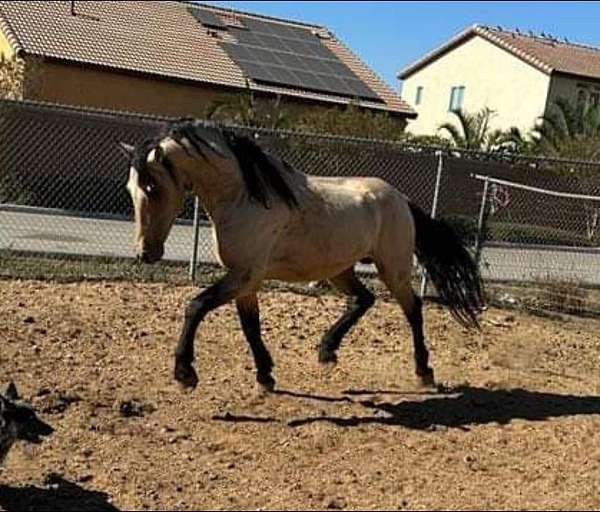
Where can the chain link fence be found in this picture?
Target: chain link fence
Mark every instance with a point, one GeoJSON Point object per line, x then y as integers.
{"type": "Point", "coordinates": [63, 199]}
{"type": "Point", "coordinates": [541, 246]}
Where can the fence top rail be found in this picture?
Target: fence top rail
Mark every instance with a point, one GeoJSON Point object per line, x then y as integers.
{"type": "Point", "coordinates": [521, 186]}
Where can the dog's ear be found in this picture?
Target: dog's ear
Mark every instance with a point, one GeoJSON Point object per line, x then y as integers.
{"type": "Point", "coordinates": [11, 392]}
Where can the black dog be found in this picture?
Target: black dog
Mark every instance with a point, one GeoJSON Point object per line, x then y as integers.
{"type": "Point", "coordinates": [18, 422]}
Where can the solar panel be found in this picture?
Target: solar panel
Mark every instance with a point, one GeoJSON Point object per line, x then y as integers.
{"type": "Point", "coordinates": [289, 77]}
{"type": "Point", "coordinates": [279, 54]}
{"type": "Point", "coordinates": [207, 18]}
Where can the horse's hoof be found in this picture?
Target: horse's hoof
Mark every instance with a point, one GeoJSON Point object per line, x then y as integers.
{"type": "Point", "coordinates": [426, 378]}
{"type": "Point", "coordinates": [186, 376]}
{"type": "Point", "coordinates": [327, 358]}
{"type": "Point", "coordinates": [266, 382]}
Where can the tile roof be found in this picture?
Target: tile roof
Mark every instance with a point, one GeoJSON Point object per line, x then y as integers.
{"type": "Point", "coordinates": [548, 54]}
{"type": "Point", "coordinates": [160, 38]}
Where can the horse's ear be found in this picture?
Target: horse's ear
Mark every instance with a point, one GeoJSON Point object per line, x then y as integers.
{"type": "Point", "coordinates": [127, 149]}
{"type": "Point", "coordinates": [158, 154]}
{"type": "Point", "coordinates": [11, 392]}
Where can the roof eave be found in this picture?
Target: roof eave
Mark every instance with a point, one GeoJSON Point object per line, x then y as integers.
{"type": "Point", "coordinates": [10, 35]}
{"type": "Point", "coordinates": [436, 53]}
{"type": "Point", "coordinates": [461, 38]}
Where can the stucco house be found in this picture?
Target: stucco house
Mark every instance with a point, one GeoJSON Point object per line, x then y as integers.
{"type": "Point", "coordinates": [174, 57]}
{"type": "Point", "coordinates": [516, 74]}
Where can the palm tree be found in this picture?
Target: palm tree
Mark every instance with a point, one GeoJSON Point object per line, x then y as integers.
{"type": "Point", "coordinates": [569, 130]}
{"type": "Point", "coordinates": [512, 140]}
{"type": "Point", "coordinates": [472, 131]}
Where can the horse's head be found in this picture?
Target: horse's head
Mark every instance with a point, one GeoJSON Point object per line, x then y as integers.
{"type": "Point", "coordinates": [157, 196]}
{"type": "Point", "coordinates": [190, 155]}
{"type": "Point", "coordinates": [159, 176]}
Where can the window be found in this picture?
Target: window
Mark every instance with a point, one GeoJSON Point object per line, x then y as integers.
{"type": "Point", "coordinates": [419, 97]}
{"type": "Point", "coordinates": [595, 99]}
{"type": "Point", "coordinates": [581, 96]}
{"type": "Point", "coordinates": [457, 95]}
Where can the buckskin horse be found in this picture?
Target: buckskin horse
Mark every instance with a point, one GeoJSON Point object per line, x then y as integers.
{"type": "Point", "coordinates": [271, 221]}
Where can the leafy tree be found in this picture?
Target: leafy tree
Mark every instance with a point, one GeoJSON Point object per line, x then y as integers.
{"type": "Point", "coordinates": [426, 140]}
{"type": "Point", "coordinates": [248, 110]}
{"type": "Point", "coordinates": [352, 121]}
{"type": "Point", "coordinates": [19, 79]}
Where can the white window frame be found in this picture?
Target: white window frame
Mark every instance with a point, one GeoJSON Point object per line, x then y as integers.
{"type": "Point", "coordinates": [457, 97]}
{"type": "Point", "coordinates": [419, 95]}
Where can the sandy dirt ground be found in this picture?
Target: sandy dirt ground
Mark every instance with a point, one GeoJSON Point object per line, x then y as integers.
{"type": "Point", "coordinates": [514, 424]}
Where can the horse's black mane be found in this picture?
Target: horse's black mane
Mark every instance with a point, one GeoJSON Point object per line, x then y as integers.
{"type": "Point", "coordinates": [262, 177]}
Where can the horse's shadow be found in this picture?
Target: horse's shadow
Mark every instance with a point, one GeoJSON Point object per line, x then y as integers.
{"type": "Point", "coordinates": [464, 406]}
{"type": "Point", "coordinates": [62, 496]}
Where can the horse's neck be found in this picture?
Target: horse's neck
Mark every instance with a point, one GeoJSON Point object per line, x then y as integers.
{"type": "Point", "coordinates": [216, 192]}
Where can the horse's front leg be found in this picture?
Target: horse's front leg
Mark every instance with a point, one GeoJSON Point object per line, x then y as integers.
{"type": "Point", "coordinates": [226, 289]}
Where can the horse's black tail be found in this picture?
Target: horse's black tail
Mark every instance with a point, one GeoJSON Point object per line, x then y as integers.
{"type": "Point", "coordinates": [450, 267]}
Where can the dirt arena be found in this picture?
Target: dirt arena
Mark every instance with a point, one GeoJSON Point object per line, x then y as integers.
{"type": "Point", "coordinates": [515, 423]}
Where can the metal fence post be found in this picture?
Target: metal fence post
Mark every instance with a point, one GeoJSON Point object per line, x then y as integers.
{"type": "Point", "coordinates": [436, 195]}
{"type": "Point", "coordinates": [194, 258]}
{"type": "Point", "coordinates": [481, 220]}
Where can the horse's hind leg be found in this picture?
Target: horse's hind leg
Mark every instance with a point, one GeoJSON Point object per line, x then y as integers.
{"type": "Point", "coordinates": [412, 306]}
{"type": "Point", "coordinates": [248, 312]}
{"type": "Point", "coordinates": [363, 299]}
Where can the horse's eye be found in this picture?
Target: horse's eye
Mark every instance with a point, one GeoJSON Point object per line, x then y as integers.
{"type": "Point", "coordinates": [151, 189]}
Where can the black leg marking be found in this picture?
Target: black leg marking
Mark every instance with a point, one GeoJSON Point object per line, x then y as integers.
{"type": "Point", "coordinates": [248, 312]}
{"type": "Point", "coordinates": [213, 297]}
{"type": "Point", "coordinates": [358, 306]}
{"type": "Point", "coordinates": [415, 318]}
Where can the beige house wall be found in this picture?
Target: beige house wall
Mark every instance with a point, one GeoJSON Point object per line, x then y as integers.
{"type": "Point", "coordinates": [97, 88]}
{"type": "Point", "coordinates": [5, 47]}
{"type": "Point", "coordinates": [492, 78]}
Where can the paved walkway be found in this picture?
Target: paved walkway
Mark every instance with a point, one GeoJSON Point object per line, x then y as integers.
{"type": "Point", "coordinates": [24, 230]}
